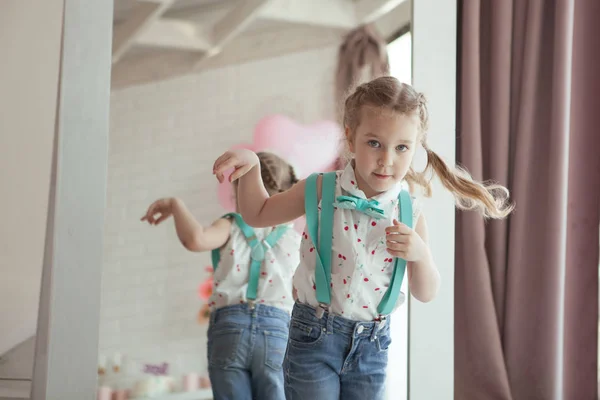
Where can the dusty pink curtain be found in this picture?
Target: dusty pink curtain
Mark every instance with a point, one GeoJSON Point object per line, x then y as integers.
{"type": "Point", "coordinates": [526, 313]}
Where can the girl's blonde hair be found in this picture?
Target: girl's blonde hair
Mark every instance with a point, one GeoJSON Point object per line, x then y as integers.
{"type": "Point", "coordinates": [489, 198]}
{"type": "Point", "coordinates": [277, 174]}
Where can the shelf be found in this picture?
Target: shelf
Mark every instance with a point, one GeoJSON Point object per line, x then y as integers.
{"type": "Point", "coordinates": [203, 394]}
{"type": "Point", "coordinates": [14, 389]}
{"type": "Point", "coordinates": [20, 390]}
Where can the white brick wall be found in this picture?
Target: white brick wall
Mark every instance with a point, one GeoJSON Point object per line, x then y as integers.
{"type": "Point", "coordinates": [164, 139]}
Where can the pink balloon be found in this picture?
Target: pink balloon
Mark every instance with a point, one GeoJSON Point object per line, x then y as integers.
{"type": "Point", "coordinates": [309, 148]}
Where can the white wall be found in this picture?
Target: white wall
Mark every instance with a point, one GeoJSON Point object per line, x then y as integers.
{"type": "Point", "coordinates": [164, 139]}
{"type": "Point", "coordinates": [29, 44]}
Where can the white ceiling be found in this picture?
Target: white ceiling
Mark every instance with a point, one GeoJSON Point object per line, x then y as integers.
{"type": "Point", "coordinates": [158, 39]}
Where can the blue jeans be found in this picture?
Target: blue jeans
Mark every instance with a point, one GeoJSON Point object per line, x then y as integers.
{"type": "Point", "coordinates": [334, 358]}
{"type": "Point", "coordinates": [245, 352]}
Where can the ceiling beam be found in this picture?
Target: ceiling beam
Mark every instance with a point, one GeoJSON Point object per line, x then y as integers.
{"type": "Point", "coordinates": [338, 14]}
{"type": "Point", "coordinates": [330, 13]}
{"type": "Point", "coordinates": [175, 34]}
{"type": "Point", "coordinates": [395, 20]}
{"type": "Point", "coordinates": [368, 11]}
{"type": "Point", "coordinates": [186, 47]}
{"type": "Point", "coordinates": [231, 25]}
{"type": "Point", "coordinates": [144, 67]}
{"type": "Point", "coordinates": [126, 33]}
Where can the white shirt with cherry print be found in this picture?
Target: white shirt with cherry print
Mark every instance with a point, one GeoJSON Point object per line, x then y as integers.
{"type": "Point", "coordinates": [276, 272]}
{"type": "Point", "coordinates": [361, 267]}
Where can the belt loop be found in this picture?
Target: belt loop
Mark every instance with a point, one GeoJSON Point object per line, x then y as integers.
{"type": "Point", "coordinates": [380, 322]}
{"type": "Point", "coordinates": [375, 330]}
{"type": "Point", "coordinates": [330, 318]}
{"type": "Point", "coordinates": [320, 310]}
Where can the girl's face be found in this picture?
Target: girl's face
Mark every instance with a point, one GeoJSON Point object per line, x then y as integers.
{"type": "Point", "coordinates": [383, 146]}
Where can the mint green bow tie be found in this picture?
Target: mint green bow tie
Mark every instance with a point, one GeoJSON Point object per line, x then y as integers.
{"type": "Point", "coordinates": [369, 207]}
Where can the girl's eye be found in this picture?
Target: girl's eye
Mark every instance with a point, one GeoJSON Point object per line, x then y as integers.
{"type": "Point", "coordinates": [402, 148]}
{"type": "Point", "coordinates": [374, 143]}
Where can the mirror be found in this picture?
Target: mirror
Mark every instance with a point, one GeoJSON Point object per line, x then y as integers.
{"type": "Point", "coordinates": [199, 78]}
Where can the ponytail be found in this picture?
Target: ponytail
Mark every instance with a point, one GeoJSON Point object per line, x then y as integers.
{"type": "Point", "coordinates": [488, 198]}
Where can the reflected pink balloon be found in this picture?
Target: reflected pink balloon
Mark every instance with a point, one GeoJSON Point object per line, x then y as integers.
{"type": "Point", "coordinates": [309, 148]}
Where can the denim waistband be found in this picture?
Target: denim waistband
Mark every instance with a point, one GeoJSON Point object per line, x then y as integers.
{"type": "Point", "coordinates": [245, 309]}
{"type": "Point", "coordinates": [333, 323]}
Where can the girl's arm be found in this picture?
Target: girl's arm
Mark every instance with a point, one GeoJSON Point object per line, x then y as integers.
{"type": "Point", "coordinates": [257, 208]}
{"type": "Point", "coordinates": [191, 234]}
{"type": "Point", "coordinates": [423, 276]}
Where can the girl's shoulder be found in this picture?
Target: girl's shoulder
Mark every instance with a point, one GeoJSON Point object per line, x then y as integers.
{"type": "Point", "coordinates": [338, 173]}
{"type": "Point", "coordinates": [338, 176]}
{"type": "Point", "coordinates": [417, 196]}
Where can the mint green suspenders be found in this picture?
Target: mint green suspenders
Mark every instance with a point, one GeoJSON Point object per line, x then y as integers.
{"type": "Point", "coordinates": [323, 241]}
{"type": "Point", "coordinates": [258, 251]}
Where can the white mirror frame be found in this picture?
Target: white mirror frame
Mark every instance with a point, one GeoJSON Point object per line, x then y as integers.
{"type": "Point", "coordinates": [431, 326]}
{"type": "Point", "coordinates": [66, 350]}
{"type": "Point", "coordinates": [66, 354]}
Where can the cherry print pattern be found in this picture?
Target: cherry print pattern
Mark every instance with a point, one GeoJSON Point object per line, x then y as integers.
{"type": "Point", "coordinates": [360, 253]}
{"type": "Point", "coordinates": [231, 276]}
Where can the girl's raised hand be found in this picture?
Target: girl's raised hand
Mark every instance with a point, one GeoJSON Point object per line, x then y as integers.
{"type": "Point", "coordinates": [241, 160]}
{"type": "Point", "coordinates": [158, 211]}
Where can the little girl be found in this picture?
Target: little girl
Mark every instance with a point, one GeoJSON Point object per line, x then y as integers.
{"type": "Point", "coordinates": [252, 292]}
{"type": "Point", "coordinates": [363, 230]}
